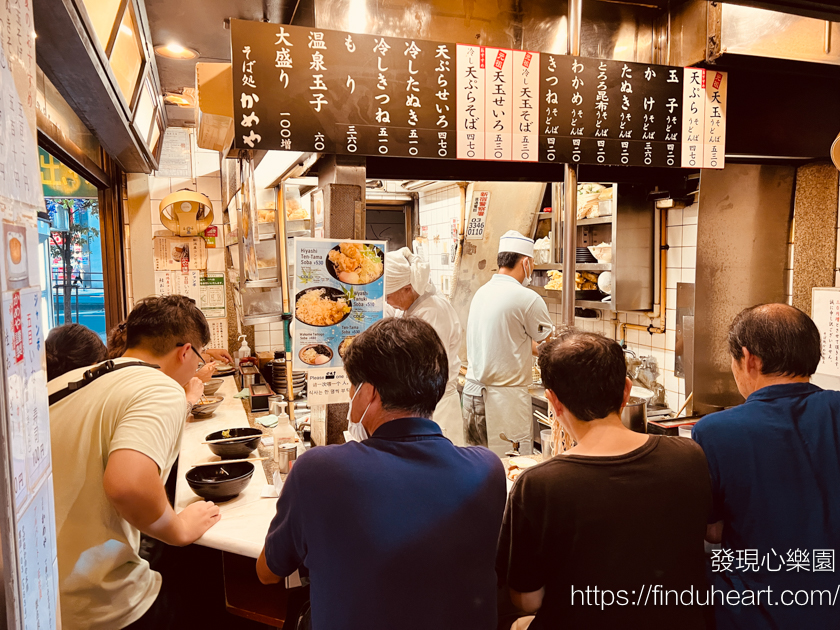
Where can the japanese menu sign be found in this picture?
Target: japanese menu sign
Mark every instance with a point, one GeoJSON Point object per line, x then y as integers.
{"type": "Point", "coordinates": [307, 89]}
{"type": "Point", "coordinates": [825, 311]}
{"type": "Point", "coordinates": [31, 567]}
{"type": "Point", "coordinates": [339, 293]}
{"type": "Point", "coordinates": [478, 215]}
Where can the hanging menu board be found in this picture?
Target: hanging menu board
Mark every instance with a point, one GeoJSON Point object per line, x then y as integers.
{"type": "Point", "coordinates": [305, 89]}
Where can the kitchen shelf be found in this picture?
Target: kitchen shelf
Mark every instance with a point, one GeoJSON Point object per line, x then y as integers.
{"type": "Point", "coordinates": [262, 284]}
{"type": "Point", "coordinates": [578, 267]}
{"type": "Point", "coordinates": [593, 304]}
{"type": "Point", "coordinates": [262, 318]}
{"type": "Point", "coordinates": [596, 220]}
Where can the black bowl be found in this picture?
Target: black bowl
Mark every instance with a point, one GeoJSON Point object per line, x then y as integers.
{"type": "Point", "coordinates": [334, 273]}
{"type": "Point", "coordinates": [329, 292]}
{"type": "Point", "coordinates": [211, 482]}
{"type": "Point", "coordinates": [238, 448]}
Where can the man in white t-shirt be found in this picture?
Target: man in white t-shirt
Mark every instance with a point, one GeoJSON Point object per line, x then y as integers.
{"type": "Point", "coordinates": [114, 442]}
{"type": "Point", "coordinates": [505, 323]}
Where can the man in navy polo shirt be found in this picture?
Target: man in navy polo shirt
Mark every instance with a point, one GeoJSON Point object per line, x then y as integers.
{"type": "Point", "coordinates": [775, 468]}
{"type": "Point", "coordinates": [398, 530]}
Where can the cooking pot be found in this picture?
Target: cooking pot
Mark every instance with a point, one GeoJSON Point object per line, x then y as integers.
{"type": "Point", "coordinates": [634, 414]}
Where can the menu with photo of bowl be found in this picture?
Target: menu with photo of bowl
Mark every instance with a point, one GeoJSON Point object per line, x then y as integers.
{"type": "Point", "coordinates": [339, 292]}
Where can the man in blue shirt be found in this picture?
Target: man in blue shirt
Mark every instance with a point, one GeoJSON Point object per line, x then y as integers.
{"type": "Point", "coordinates": [775, 469]}
{"type": "Point", "coordinates": [398, 530]}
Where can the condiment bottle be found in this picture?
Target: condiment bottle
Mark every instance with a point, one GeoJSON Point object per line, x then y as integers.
{"type": "Point", "coordinates": [284, 433]}
{"type": "Point", "coordinates": [243, 352]}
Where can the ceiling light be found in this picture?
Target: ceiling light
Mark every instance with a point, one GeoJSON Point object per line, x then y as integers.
{"type": "Point", "coordinates": [180, 100]}
{"type": "Point", "coordinates": [176, 51]}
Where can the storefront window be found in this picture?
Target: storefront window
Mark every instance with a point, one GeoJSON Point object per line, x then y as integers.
{"type": "Point", "coordinates": [73, 250]}
{"type": "Point", "coordinates": [126, 58]}
{"type": "Point", "coordinates": [102, 14]}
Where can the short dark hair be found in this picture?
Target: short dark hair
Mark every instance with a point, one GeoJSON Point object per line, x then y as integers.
{"type": "Point", "coordinates": [783, 337]}
{"type": "Point", "coordinates": [405, 361]}
{"type": "Point", "coordinates": [586, 371]}
{"type": "Point", "coordinates": [70, 347]}
{"type": "Point", "coordinates": [508, 260]}
{"type": "Point", "coordinates": [116, 341]}
{"type": "Point", "coordinates": [161, 323]}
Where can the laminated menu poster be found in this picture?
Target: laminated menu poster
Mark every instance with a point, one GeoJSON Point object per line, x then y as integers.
{"type": "Point", "coordinates": [339, 292]}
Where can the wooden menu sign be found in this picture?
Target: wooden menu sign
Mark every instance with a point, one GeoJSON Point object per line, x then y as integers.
{"type": "Point", "coordinates": [306, 89]}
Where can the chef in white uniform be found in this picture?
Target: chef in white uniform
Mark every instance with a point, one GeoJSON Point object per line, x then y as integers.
{"type": "Point", "coordinates": [505, 323]}
{"type": "Point", "coordinates": [408, 289]}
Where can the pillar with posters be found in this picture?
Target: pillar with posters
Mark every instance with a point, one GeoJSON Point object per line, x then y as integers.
{"type": "Point", "coordinates": [27, 525]}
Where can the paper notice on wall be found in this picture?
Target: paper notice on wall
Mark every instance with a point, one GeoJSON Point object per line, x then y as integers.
{"type": "Point", "coordinates": [180, 254]}
{"type": "Point", "coordinates": [218, 333]}
{"type": "Point", "coordinates": [15, 388]}
{"type": "Point", "coordinates": [212, 292]}
{"type": "Point", "coordinates": [36, 559]}
{"type": "Point", "coordinates": [825, 311]}
{"type": "Point", "coordinates": [175, 158]}
{"type": "Point", "coordinates": [326, 386]}
{"type": "Point", "coordinates": [478, 215]}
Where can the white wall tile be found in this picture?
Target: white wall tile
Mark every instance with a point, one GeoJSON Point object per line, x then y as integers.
{"type": "Point", "coordinates": [675, 237]}
{"type": "Point", "coordinates": [675, 217]}
{"type": "Point", "coordinates": [658, 341]}
{"type": "Point", "coordinates": [210, 186]}
{"type": "Point", "coordinates": [261, 339]}
{"type": "Point", "coordinates": [674, 258]}
{"type": "Point", "coordinates": [688, 275]}
{"type": "Point", "coordinates": [672, 277]}
{"type": "Point", "coordinates": [159, 187]}
{"type": "Point", "coordinates": [182, 183]}
{"type": "Point", "coordinates": [690, 215]}
{"type": "Point", "coordinates": [689, 236]}
{"type": "Point", "coordinates": [689, 257]}
{"type": "Point", "coordinates": [207, 163]}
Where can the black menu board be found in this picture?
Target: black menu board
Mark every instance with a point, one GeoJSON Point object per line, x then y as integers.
{"type": "Point", "coordinates": [596, 111]}
{"type": "Point", "coordinates": [307, 89]}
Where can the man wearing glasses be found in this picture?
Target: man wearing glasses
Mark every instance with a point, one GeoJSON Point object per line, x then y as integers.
{"type": "Point", "coordinates": [114, 443]}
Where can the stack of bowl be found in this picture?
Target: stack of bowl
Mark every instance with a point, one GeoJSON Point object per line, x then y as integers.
{"type": "Point", "coordinates": [278, 380]}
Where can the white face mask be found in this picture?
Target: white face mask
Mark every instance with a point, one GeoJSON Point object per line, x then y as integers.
{"type": "Point", "coordinates": [357, 429]}
{"type": "Point", "coordinates": [527, 280]}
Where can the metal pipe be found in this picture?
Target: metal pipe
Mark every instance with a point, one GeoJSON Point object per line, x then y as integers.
{"type": "Point", "coordinates": [827, 39]}
{"type": "Point", "coordinates": [283, 273]}
{"type": "Point", "coordinates": [570, 191]}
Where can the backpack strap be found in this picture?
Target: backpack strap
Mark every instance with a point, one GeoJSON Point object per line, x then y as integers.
{"type": "Point", "coordinates": [106, 367]}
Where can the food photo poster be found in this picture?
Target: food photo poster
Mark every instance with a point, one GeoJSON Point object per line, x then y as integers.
{"type": "Point", "coordinates": [339, 292]}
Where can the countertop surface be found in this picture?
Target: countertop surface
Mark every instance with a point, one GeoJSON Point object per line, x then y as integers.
{"type": "Point", "coordinates": [246, 518]}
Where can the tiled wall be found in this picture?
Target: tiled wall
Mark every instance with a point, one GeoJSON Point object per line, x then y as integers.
{"type": "Point", "coordinates": [438, 208]}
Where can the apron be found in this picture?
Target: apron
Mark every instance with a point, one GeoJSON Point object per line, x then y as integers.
{"type": "Point", "coordinates": [508, 410]}
{"type": "Point", "coordinates": [448, 415]}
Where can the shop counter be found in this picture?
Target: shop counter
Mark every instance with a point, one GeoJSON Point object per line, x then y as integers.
{"type": "Point", "coordinates": [245, 519]}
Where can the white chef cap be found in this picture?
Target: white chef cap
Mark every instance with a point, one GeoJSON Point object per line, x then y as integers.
{"type": "Point", "coordinates": [513, 241]}
{"type": "Point", "coordinates": [403, 267]}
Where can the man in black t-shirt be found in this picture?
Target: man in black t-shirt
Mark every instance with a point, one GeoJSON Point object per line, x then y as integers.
{"type": "Point", "coordinates": [610, 533]}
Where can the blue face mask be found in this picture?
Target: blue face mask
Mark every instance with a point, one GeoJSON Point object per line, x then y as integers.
{"type": "Point", "coordinates": [357, 429]}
